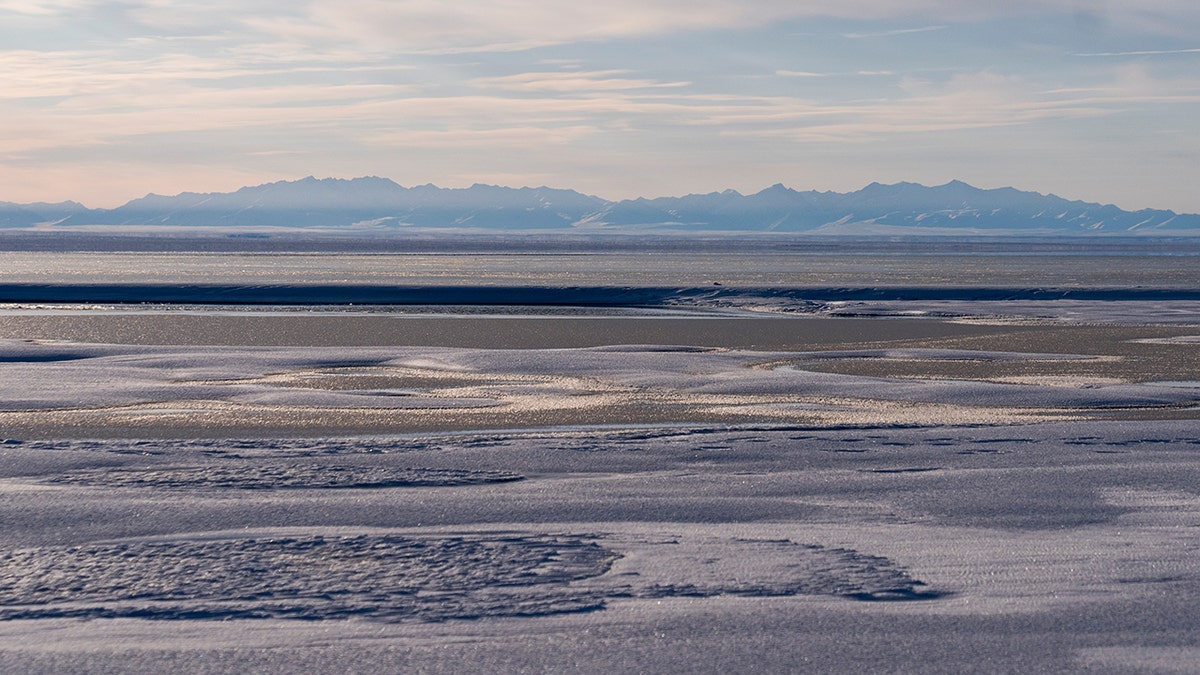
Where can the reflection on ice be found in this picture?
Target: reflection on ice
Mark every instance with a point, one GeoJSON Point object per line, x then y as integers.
{"type": "Point", "coordinates": [394, 388]}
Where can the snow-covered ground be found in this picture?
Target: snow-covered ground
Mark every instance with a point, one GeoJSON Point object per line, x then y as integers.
{"type": "Point", "coordinates": [1066, 546]}
{"type": "Point", "coordinates": [852, 495]}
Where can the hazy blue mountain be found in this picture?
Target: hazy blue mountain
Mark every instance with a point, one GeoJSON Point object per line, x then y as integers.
{"type": "Point", "coordinates": [957, 205]}
{"type": "Point", "coordinates": [876, 209]}
{"type": "Point", "coordinates": [16, 215]}
{"type": "Point", "coordinates": [333, 202]}
{"type": "Point", "coordinates": [28, 215]}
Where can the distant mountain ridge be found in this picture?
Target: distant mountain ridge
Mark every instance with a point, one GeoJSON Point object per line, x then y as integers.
{"type": "Point", "coordinates": [897, 209]}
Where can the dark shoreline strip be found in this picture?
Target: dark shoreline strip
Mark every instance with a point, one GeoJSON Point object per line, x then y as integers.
{"type": "Point", "coordinates": [589, 296]}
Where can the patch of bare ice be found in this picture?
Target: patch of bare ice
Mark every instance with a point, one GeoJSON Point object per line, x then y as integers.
{"type": "Point", "coordinates": [396, 577]}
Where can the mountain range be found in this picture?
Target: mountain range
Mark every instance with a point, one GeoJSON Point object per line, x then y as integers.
{"type": "Point", "coordinates": [897, 209]}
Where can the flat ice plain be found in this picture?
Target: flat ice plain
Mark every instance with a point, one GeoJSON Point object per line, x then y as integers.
{"type": "Point", "coordinates": [732, 482]}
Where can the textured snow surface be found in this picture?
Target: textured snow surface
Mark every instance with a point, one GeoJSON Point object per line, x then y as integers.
{"type": "Point", "coordinates": [245, 476]}
{"type": "Point", "coordinates": [612, 509]}
{"type": "Point", "coordinates": [700, 548]}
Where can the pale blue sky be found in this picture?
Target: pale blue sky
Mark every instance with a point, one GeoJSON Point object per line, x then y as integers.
{"type": "Point", "coordinates": [105, 100]}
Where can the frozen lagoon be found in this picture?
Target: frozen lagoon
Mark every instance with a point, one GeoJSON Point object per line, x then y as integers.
{"type": "Point", "coordinates": [223, 490]}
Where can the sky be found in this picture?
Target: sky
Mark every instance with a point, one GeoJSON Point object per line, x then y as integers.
{"type": "Point", "coordinates": [103, 101]}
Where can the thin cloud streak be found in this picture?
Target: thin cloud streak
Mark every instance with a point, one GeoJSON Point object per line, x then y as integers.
{"type": "Point", "coordinates": [571, 81]}
{"type": "Point", "coordinates": [1161, 52]}
{"type": "Point", "coordinates": [801, 73]}
{"type": "Point", "coordinates": [40, 7]}
{"type": "Point", "coordinates": [892, 33]}
{"type": "Point", "coordinates": [508, 137]}
{"type": "Point", "coordinates": [857, 73]}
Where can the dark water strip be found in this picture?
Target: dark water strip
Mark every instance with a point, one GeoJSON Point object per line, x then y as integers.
{"type": "Point", "coordinates": [582, 296]}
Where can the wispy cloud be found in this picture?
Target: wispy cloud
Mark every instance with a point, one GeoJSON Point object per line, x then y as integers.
{"type": "Point", "coordinates": [856, 73]}
{"type": "Point", "coordinates": [277, 153]}
{"type": "Point", "coordinates": [570, 81]}
{"type": "Point", "coordinates": [530, 109]}
{"type": "Point", "coordinates": [1155, 52]}
{"type": "Point", "coordinates": [79, 74]}
{"type": "Point", "coordinates": [506, 137]}
{"type": "Point", "coordinates": [439, 26]}
{"type": "Point", "coordinates": [39, 7]}
{"type": "Point", "coordinates": [971, 101]}
{"type": "Point", "coordinates": [448, 26]}
{"type": "Point", "coordinates": [892, 33]}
